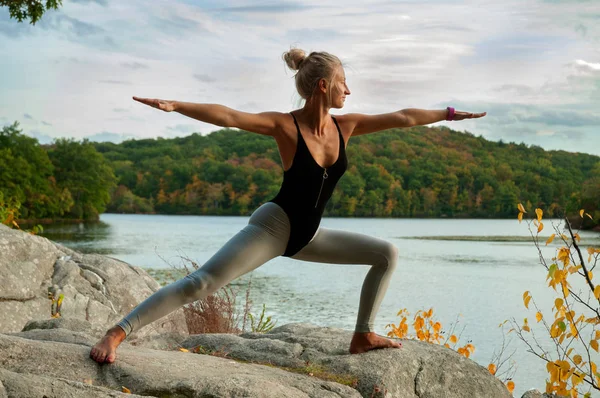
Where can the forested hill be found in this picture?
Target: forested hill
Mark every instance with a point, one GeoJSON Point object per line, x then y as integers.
{"type": "Point", "coordinates": [416, 172]}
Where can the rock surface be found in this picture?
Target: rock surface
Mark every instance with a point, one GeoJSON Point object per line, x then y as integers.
{"type": "Point", "coordinates": [98, 289]}
{"type": "Point", "coordinates": [417, 370]}
{"type": "Point", "coordinates": [161, 373]}
{"type": "Point", "coordinates": [50, 357]}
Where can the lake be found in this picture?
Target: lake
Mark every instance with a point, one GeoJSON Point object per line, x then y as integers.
{"type": "Point", "coordinates": [473, 272]}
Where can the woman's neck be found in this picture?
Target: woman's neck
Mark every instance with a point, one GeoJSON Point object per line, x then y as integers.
{"type": "Point", "coordinates": [316, 115]}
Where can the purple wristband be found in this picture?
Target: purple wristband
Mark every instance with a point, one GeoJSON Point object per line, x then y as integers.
{"type": "Point", "coordinates": [450, 115]}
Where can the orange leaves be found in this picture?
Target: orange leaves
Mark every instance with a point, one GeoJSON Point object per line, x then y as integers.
{"type": "Point", "coordinates": [125, 390]}
{"type": "Point", "coordinates": [564, 255]}
{"type": "Point", "coordinates": [592, 251]}
{"type": "Point", "coordinates": [466, 351]}
{"type": "Point", "coordinates": [521, 211]}
{"type": "Point", "coordinates": [526, 299]}
{"type": "Point", "coordinates": [492, 368]}
{"type": "Point", "coordinates": [539, 316]}
{"type": "Point", "coordinates": [510, 386]}
{"type": "Point", "coordinates": [568, 329]}
{"type": "Point", "coordinates": [426, 329]}
{"type": "Point", "coordinates": [539, 213]}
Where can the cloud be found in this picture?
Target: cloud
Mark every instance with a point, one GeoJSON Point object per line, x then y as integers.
{"type": "Point", "coordinates": [119, 82]}
{"type": "Point", "coordinates": [103, 3]}
{"type": "Point", "coordinates": [28, 116]}
{"type": "Point", "coordinates": [106, 136]}
{"type": "Point", "coordinates": [562, 118]}
{"type": "Point", "coordinates": [176, 25]}
{"type": "Point", "coordinates": [73, 27]}
{"type": "Point", "coordinates": [267, 8]}
{"type": "Point", "coordinates": [587, 66]}
{"type": "Point", "coordinates": [42, 138]}
{"type": "Point", "coordinates": [134, 65]}
{"type": "Point", "coordinates": [183, 128]}
{"type": "Point", "coordinates": [204, 78]}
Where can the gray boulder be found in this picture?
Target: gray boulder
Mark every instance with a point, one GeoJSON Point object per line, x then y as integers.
{"type": "Point", "coordinates": [160, 373]}
{"type": "Point", "coordinates": [416, 370]}
{"type": "Point", "coordinates": [98, 289]}
{"type": "Point", "coordinates": [17, 385]}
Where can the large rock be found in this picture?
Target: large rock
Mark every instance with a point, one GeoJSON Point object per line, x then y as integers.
{"type": "Point", "coordinates": [160, 373]}
{"type": "Point", "coordinates": [98, 289]}
{"type": "Point", "coordinates": [416, 370]}
{"type": "Point", "coordinates": [17, 385]}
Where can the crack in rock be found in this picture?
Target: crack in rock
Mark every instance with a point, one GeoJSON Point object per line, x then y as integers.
{"type": "Point", "coordinates": [417, 377]}
{"type": "Point", "coordinates": [21, 300]}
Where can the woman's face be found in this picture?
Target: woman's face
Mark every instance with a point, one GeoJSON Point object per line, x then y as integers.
{"type": "Point", "coordinates": [339, 89]}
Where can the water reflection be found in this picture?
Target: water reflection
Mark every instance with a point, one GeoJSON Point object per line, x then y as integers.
{"type": "Point", "coordinates": [85, 237]}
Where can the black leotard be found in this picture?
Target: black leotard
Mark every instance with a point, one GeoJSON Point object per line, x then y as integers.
{"type": "Point", "coordinates": [305, 190]}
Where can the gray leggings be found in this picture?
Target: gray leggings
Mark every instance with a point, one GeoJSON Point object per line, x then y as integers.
{"type": "Point", "coordinates": [264, 238]}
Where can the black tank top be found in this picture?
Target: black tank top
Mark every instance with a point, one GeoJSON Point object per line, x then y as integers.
{"type": "Point", "coordinates": [305, 190]}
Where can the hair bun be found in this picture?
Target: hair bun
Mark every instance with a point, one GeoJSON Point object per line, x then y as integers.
{"type": "Point", "coordinates": [294, 58]}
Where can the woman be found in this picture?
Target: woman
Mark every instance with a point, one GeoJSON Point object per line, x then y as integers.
{"type": "Point", "coordinates": [312, 146]}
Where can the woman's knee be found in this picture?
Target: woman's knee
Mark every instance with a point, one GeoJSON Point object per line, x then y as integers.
{"type": "Point", "coordinates": [198, 285]}
{"type": "Point", "coordinates": [389, 253]}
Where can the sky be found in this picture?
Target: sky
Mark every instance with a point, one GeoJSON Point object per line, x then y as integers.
{"type": "Point", "coordinates": [533, 65]}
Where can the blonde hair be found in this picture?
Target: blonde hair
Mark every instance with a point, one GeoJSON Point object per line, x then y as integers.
{"type": "Point", "coordinates": [311, 69]}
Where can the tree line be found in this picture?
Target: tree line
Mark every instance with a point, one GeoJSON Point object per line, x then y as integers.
{"type": "Point", "coordinates": [414, 172]}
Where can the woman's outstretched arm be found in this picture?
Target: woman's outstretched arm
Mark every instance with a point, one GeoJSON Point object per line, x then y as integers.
{"type": "Point", "coordinates": [365, 124]}
{"type": "Point", "coordinates": [265, 123]}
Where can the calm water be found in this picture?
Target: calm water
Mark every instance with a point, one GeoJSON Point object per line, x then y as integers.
{"type": "Point", "coordinates": [479, 281]}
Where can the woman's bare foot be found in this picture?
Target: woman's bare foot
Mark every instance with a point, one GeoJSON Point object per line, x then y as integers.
{"type": "Point", "coordinates": [105, 350]}
{"type": "Point", "coordinates": [363, 342]}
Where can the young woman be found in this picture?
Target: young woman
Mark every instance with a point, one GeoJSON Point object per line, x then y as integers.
{"type": "Point", "coordinates": [312, 145]}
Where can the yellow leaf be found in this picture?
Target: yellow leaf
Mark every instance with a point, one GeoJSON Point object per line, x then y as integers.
{"type": "Point", "coordinates": [594, 345]}
{"type": "Point", "coordinates": [558, 303]}
{"type": "Point", "coordinates": [577, 359]}
{"type": "Point", "coordinates": [125, 390]}
{"type": "Point", "coordinates": [581, 213]}
{"type": "Point", "coordinates": [526, 328]}
{"type": "Point", "coordinates": [510, 386]}
{"type": "Point", "coordinates": [538, 316]}
{"type": "Point", "coordinates": [590, 275]}
{"type": "Point", "coordinates": [521, 208]}
{"type": "Point", "coordinates": [597, 292]}
{"type": "Point", "coordinates": [492, 368]}
{"type": "Point", "coordinates": [540, 227]}
{"type": "Point", "coordinates": [453, 339]}
{"type": "Point", "coordinates": [588, 214]}
{"type": "Point", "coordinates": [527, 299]}
{"type": "Point", "coordinates": [520, 217]}
{"type": "Point", "coordinates": [525, 294]}
{"type": "Point", "coordinates": [577, 237]}
{"type": "Point", "coordinates": [184, 350]}
{"type": "Point", "coordinates": [539, 212]}
{"type": "Point", "coordinates": [550, 239]}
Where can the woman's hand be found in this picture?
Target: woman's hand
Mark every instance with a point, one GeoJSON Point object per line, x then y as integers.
{"type": "Point", "coordinates": [167, 106]}
{"type": "Point", "coordinates": [467, 115]}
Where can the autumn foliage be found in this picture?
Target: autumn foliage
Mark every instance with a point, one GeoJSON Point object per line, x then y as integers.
{"type": "Point", "coordinates": [573, 324]}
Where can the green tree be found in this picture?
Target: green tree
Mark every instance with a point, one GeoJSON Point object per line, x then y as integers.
{"type": "Point", "coordinates": [85, 173]}
{"type": "Point", "coordinates": [22, 10]}
{"type": "Point", "coordinates": [26, 175]}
